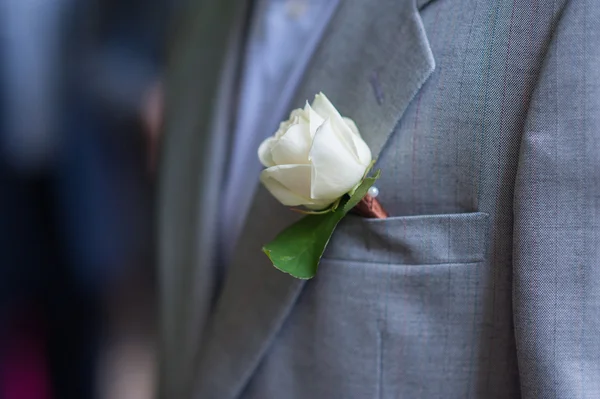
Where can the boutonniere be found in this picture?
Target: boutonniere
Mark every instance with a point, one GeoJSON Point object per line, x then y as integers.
{"type": "Point", "coordinates": [317, 164]}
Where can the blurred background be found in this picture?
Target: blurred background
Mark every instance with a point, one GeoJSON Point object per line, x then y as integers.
{"type": "Point", "coordinates": [80, 112]}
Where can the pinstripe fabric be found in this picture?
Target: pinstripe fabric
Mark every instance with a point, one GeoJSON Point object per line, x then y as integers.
{"type": "Point", "coordinates": [485, 282]}
{"type": "Point", "coordinates": [557, 217]}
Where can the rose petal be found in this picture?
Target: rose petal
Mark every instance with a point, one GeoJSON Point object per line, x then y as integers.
{"type": "Point", "coordinates": [296, 178]}
{"type": "Point", "coordinates": [300, 115]}
{"type": "Point", "coordinates": [293, 146]}
{"type": "Point", "coordinates": [315, 119]}
{"type": "Point", "coordinates": [319, 205]}
{"type": "Point", "coordinates": [335, 170]}
{"type": "Point", "coordinates": [325, 109]}
{"type": "Point", "coordinates": [289, 183]}
{"type": "Point", "coordinates": [281, 192]}
{"type": "Point", "coordinates": [265, 152]}
{"type": "Point", "coordinates": [296, 116]}
{"type": "Point", "coordinates": [363, 150]}
{"type": "Point", "coordinates": [350, 123]}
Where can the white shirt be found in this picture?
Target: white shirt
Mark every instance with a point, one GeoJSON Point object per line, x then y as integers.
{"type": "Point", "coordinates": [283, 34]}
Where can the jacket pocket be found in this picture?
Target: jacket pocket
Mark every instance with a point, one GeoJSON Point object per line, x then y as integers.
{"type": "Point", "coordinates": [395, 307]}
{"type": "Point", "coordinates": [411, 240]}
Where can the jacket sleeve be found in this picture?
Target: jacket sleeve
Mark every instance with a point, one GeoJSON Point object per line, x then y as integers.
{"type": "Point", "coordinates": [556, 253]}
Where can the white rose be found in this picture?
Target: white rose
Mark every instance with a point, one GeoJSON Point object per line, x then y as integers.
{"type": "Point", "coordinates": [315, 157]}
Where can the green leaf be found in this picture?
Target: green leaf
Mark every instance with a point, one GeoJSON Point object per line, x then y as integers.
{"type": "Point", "coordinates": [298, 249]}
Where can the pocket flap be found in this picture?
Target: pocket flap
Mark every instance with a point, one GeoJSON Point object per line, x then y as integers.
{"type": "Point", "coordinates": [411, 240]}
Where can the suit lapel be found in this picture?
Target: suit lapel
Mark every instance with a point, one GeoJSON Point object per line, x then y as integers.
{"type": "Point", "coordinates": [200, 82]}
{"type": "Point", "coordinates": [372, 67]}
{"type": "Point", "coordinates": [371, 63]}
{"type": "Point", "coordinates": [422, 3]}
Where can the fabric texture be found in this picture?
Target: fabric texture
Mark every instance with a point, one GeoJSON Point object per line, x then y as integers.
{"type": "Point", "coordinates": [484, 117]}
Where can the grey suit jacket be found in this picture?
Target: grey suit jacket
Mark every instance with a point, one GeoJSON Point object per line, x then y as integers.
{"type": "Point", "coordinates": [485, 119]}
